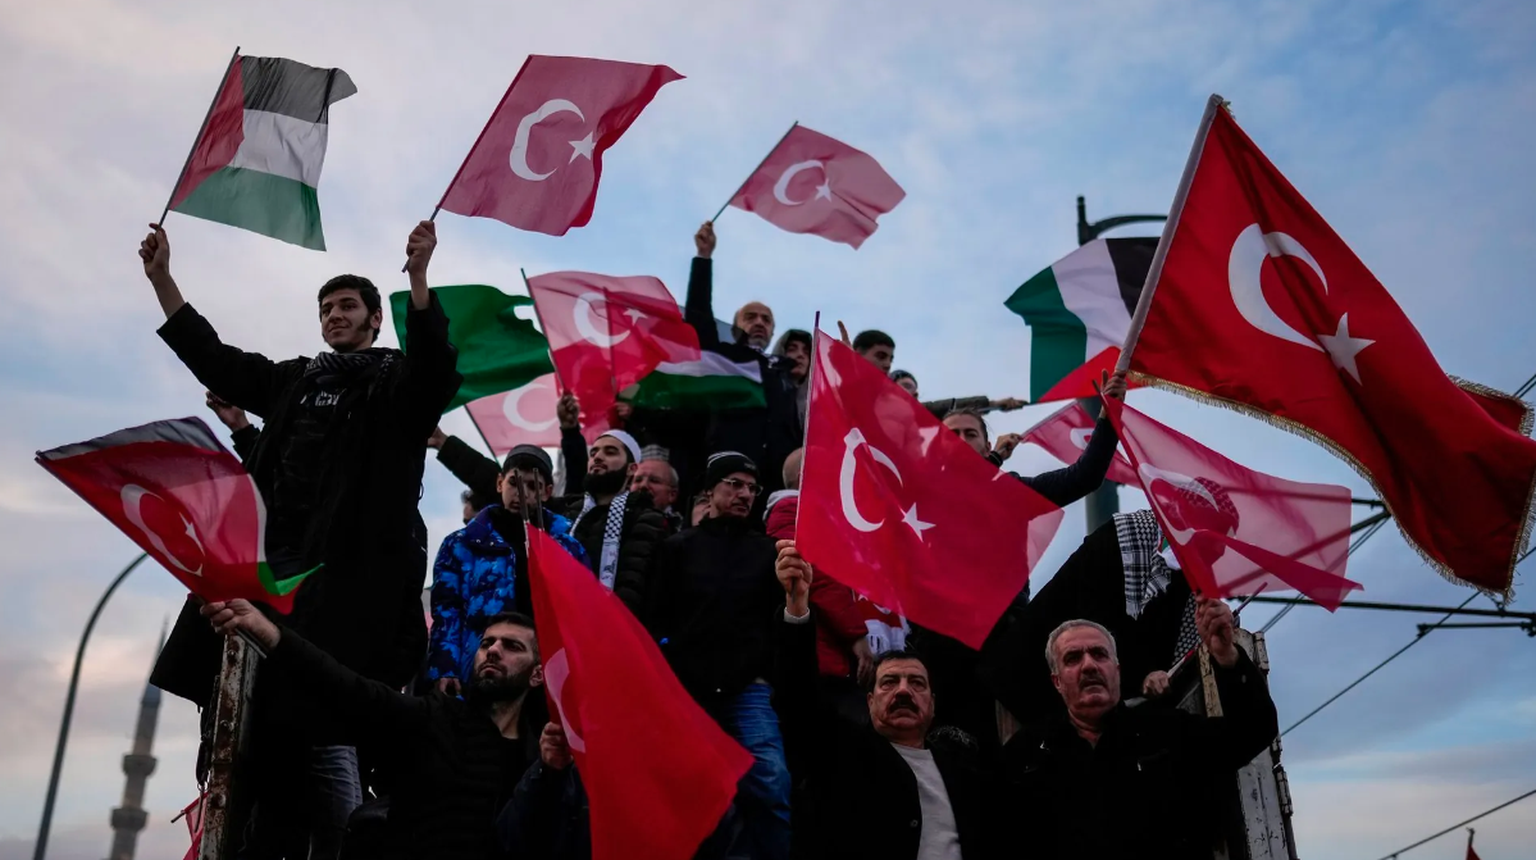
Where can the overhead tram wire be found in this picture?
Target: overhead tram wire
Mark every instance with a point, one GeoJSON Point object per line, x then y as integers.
{"type": "Point", "coordinates": [1526, 388]}
{"type": "Point", "coordinates": [1423, 631]}
{"type": "Point", "coordinates": [1480, 815]}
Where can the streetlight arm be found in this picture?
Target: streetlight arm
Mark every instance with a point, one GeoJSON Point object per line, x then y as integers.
{"type": "Point", "coordinates": [41, 848]}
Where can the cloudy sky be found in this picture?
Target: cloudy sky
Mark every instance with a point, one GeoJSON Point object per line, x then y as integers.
{"type": "Point", "coordinates": [1407, 124]}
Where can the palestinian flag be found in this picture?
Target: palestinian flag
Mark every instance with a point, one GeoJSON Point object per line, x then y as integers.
{"type": "Point", "coordinates": [709, 382]}
{"type": "Point", "coordinates": [257, 161]}
{"type": "Point", "coordinates": [185, 500]}
{"type": "Point", "coordinates": [1079, 311]}
{"type": "Point", "coordinates": [498, 350]}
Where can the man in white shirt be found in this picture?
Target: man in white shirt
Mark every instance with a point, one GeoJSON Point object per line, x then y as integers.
{"type": "Point", "coordinates": [878, 791]}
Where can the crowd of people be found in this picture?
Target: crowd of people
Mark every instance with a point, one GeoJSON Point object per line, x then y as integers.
{"type": "Point", "coordinates": [870, 736]}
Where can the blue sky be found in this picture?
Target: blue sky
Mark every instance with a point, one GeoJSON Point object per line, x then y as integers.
{"type": "Point", "coordinates": [1407, 124]}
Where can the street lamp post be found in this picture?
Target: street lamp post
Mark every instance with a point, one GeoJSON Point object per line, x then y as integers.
{"type": "Point", "coordinates": [41, 848]}
{"type": "Point", "coordinates": [1104, 502]}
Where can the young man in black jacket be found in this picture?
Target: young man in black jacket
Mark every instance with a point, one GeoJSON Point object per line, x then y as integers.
{"type": "Point", "coordinates": [878, 790]}
{"type": "Point", "coordinates": [339, 464]}
{"type": "Point", "coordinates": [1106, 780]}
{"type": "Point", "coordinates": [712, 600]}
{"type": "Point", "coordinates": [455, 762]}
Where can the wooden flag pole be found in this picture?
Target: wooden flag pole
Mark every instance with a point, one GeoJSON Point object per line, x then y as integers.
{"type": "Point", "coordinates": [192, 150]}
{"type": "Point", "coordinates": [727, 203]}
{"type": "Point", "coordinates": [1171, 226]}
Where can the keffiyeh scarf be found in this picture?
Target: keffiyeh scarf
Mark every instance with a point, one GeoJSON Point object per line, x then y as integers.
{"type": "Point", "coordinates": [1148, 571]}
{"type": "Point", "coordinates": [613, 530]}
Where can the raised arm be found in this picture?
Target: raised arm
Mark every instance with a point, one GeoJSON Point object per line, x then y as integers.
{"type": "Point", "coordinates": [1062, 487]}
{"type": "Point", "coordinates": [1248, 722]}
{"type": "Point", "coordinates": [362, 702]}
{"type": "Point", "coordinates": [573, 446]}
{"type": "Point", "coordinates": [699, 308]}
{"type": "Point", "coordinates": [477, 471]}
{"type": "Point", "coordinates": [431, 376]}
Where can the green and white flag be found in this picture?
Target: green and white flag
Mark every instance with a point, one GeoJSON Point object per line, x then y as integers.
{"type": "Point", "coordinates": [1079, 312]}
{"type": "Point", "coordinates": [257, 161]}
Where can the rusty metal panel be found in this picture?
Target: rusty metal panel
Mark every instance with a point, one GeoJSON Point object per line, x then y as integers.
{"type": "Point", "coordinates": [224, 814]}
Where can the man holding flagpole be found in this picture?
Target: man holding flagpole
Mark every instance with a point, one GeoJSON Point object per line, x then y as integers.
{"type": "Point", "coordinates": [339, 465]}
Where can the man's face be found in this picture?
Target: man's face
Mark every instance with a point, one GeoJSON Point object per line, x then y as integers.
{"type": "Point", "coordinates": [701, 511]}
{"type": "Point", "coordinates": [969, 430]}
{"type": "Point", "coordinates": [507, 662]}
{"type": "Point", "coordinates": [469, 511]}
{"type": "Point", "coordinates": [901, 703]}
{"type": "Point", "coordinates": [757, 321]}
{"type": "Point", "coordinates": [515, 485]}
{"type": "Point", "coordinates": [908, 384]}
{"type": "Point", "coordinates": [1087, 675]}
{"type": "Point", "coordinates": [800, 354]}
{"type": "Point", "coordinates": [345, 322]}
{"type": "Point", "coordinates": [880, 356]}
{"type": "Point", "coordinates": [734, 495]}
{"type": "Point", "coordinates": [655, 477]}
{"type": "Point", "coordinates": [607, 455]}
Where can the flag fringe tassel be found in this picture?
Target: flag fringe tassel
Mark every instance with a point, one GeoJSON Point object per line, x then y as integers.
{"type": "Point", "coordinates": [1528, 519]}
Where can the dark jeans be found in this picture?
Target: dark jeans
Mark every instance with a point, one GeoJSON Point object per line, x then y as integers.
{"type": "Point", "coordinates": [762, 797]}
{"type": "Point", "coordinates": [302, 806]}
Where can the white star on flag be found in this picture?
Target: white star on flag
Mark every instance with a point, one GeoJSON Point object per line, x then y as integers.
{"type": "Point", "coordinates": [1342, 348]}
{"type": "Point", "coordinates": [582, 148]}
{"type": "Point", "coordinates": [917, 525]}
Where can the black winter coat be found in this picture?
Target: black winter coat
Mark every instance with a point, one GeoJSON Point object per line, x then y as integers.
{"type": "Point", "coordinates": [860, 796]}
{"type": "Point", "coordinates": [1150, 788]}
{"type": "Point", "coordinates": [450, 767]}
{"type": "Point", "coordinates": [711, 604]}
{"type": "Point", "coordinates": [643, 531]}
{"type": "Point", "coordinates": [767, 435]}
{"type": "Point", "coordinates": [364, 605]}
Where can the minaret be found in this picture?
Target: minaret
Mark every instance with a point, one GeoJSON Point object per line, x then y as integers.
{"type": "Point", "coordinates": [129, 819]}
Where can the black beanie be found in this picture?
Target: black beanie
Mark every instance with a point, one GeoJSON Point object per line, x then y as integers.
{"type": "Point", "coordinates": [725, 464]}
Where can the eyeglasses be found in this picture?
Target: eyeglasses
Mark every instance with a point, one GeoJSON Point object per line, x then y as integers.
{"type": "Point", "coordinates": [739, 485]}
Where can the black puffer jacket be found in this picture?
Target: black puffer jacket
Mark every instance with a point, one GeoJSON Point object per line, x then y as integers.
{"type": "Point", "coordinates": [712, 600]}
{"type": "Point", "coordinates": [643, 531]}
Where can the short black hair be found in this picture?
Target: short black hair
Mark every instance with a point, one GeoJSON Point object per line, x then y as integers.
{"type": "Point", "coordinates": [867, 340]}
{"type": "Point", "coordinates": [894, 654]}
{"type": "Point", "coordinates": [981, 420]}
{"type": "Point", "coordinates": [514, 618]}
{"type": "Point", "coordinates": [365, 290]}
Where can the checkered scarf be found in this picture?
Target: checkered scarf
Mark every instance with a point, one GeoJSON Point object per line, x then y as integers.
{"type": "Point", "coordinates": [1149, 567]}
{"type": "Point", "coordinates": [613, 530]}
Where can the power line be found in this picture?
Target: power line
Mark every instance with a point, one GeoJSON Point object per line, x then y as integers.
{"type": "Point", "coordinates": [1526, 388]}
{"type": "Point", "coordinates": [1354, 545]}
{"type": "Point", "coordinates": [1379, 666]}
{"type": "Point", "coordinates": [1394, 854]}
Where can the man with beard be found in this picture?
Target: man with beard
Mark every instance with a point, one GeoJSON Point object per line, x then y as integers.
{"type": "Point", "coordinates": [338, 463]}
{"type": "Point", "coordinates": [619, 528]}
{"type": "Point", "coordinates": [794, 348]}
{"type": "Point", "coordinates": [764, 434]}
{"type": "Point", "coordinates": [1106, 780]}
{"type": "Point", "coordinates": [455, 762]}
{"type": "Point", "coordinates": [482, 569]}
{"type": "Point", "coordinates": [881, 789]}
{"type": "Point", "coordinates": [711, 602]}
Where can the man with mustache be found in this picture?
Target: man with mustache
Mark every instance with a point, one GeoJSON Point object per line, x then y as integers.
{"type": "Point", "coordinates": [618, 527]}
{"type": "Point", "coordinates": [882, 789]}
{"type": "Point", "coordinates": [711, 601]}
{"type": "Point", "coordinates": [1106, 780]}
{"type": "Point", "coordinates": [765, 434]}
{"type": "Point", "coordinates": [454, 762]}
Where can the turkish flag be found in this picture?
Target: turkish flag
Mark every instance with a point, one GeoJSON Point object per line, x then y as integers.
{"type": "Point", "coordinates": [1236, 531]}
{"type": "Point", "coordinates": [527, 416]}
{"type": "Point", "coordinates": [811, 183]}
{"type": "Point", "coordinates": [895, 506]}
{"type": "Point", "coordinates": [607, 333]}
{"type": "Point", "coordinates": [659, 772]}
{"type": "Point", "coordinates": [537, 163]}
{"type": "Point", "coordinates": [1261, 306]}
{"type": "Point", "coordinates": [1065, 434]}
{"type": "Point", "coordinates": [186, 501]}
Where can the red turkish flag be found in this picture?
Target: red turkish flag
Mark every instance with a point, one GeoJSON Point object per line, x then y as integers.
{"type": "Point", "coordinates": [186, 501]}
{"type": "Point", "coordinates": [659, 773]}
{"type": "Point", "coordinates": [606, 333]}
{"type": "Point", "coordinates": [1236, 531]}
{"type": "Point", "coordinates": [811, 183]}
{"type": "Point", "coordinates": [1065, 434]}
{"type": "Point", "coordinates": [1262, 306]}
{"type": "Point", "coordinates": [537, 163]}
{"type": "Point", "coordinates": [526, 416]}
{"type": "Point", "coordinates": [895, 506]}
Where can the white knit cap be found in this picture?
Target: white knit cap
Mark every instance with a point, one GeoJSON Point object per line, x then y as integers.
{"type": "Point", "coordinates": [629, 442]}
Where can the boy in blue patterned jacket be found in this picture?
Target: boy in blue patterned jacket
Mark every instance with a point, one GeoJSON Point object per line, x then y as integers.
{"type": "Point", "coordinates": [482, 569]}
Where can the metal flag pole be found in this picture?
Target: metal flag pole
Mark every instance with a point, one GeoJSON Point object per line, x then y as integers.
{"type": "Point", "coordinates": [727, 203]}
{"type": "Point", "coordinates": [192, 150]}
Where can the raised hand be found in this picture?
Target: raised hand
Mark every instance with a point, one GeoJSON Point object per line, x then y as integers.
{"type": "Point", "coordinates": [1113, 385]}
{"type": "Point", "coordinates": [569, 412]}
{"type": "Point", "coordinates": [795, 575]}
{"type": "Point", "coordinates": [239, 616]}
{"type": "Point", "coordinates": [155, 252]}
{"type": "Point", "coordinates": [1005, 444]}
{"type": "Point", "coordinates": [704, 240]}
{"type": "Point", "coordinates": [1218, 630]}
{"type": "Point", "coordinates": [553, 748]}
{"type": "Point", "coordinates": [229, 415]}
{"type": "Point", "coordinates": [419, 247]}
